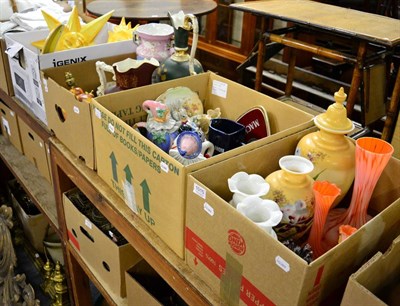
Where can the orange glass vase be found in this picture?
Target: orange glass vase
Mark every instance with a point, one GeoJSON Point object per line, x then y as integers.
{"type": "Point", "coordinates": [325, 194]}
{"type": "Point", "coordinates": [372, 156]}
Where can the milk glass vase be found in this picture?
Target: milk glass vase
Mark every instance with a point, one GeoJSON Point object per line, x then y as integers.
{"type": "Point", "coordinates": [372, 156]}
{"type": "Point", "coordinates": [325, 193]}
{"type": "Point", "coordinates": [291, 189]}
{"type": "Point", "coordinates": [264, 213]}
{"type": "Point", "coordinates": [244, 185]}
{"type": "Point", "coordinates": [329, 149]}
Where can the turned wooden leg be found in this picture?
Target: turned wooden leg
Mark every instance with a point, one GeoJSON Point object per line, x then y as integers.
{"type": "Point", "coordinates": [356, 79]}
{"type": "Point", "coordinates": [393, 110]}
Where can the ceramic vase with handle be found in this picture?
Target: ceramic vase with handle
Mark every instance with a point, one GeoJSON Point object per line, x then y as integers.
{"type": "Point", "coordinates": [291, 189]}
{"type": "Point", "coordinates": [181, 64]}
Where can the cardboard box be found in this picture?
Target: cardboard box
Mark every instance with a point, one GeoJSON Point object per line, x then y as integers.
{"type": "Point", "coordinates": [259, 269]}
{"type": "Point", "coordinates": [26, 62]}
{"type": "Point", "coordinates": [69, 119]}
{"type": "Point", "coordinates": [10, 127]}
{"type": "Point", "coordinates": [107, 260]}
{"type": "Point", "coordinates": [5, 75]}
{"type": "Point", "coordinates": [144, 286]}
{"type": "Point", "coordinates": [35, 149]}
{"type": "Point", "coordinates": [152, 182]}
{"type": "Point", "coordinates": [34, 223]}
{"type": "Point", "coordinates": [377, 281]}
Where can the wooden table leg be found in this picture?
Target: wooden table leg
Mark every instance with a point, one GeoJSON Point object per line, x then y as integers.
{"type": "Point", "coordinates": [290, 72]}
{"type": "Point", "coordinates": [260, 57]}
{"type": "Point", "coordinates": [393, 110]}
{"type": "Point", "coordinates": [356, 79]}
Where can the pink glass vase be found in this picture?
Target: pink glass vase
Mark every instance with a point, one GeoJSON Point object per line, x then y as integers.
{"type": "Point", "coordinates": [325, 194]}
{"type": "Point", "coordinates": [372, 156]}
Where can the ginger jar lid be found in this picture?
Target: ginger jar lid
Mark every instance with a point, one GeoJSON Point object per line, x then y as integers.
{"type": "Point", "coordinates": [335, 119]}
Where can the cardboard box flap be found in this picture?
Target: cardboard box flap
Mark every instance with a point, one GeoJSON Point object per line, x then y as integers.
{"type": "Point", "coordinates": [14, 49]}
{"type": "Point", "coordinates": [387, 264]}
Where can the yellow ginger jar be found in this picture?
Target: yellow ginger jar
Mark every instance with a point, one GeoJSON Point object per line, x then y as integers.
{"type": "Point", "coordinates": [329, 149]}
{"type": "Point", "coordinates": [291, 188]}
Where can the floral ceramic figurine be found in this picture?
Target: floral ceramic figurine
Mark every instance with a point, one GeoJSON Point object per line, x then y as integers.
{"type": "Point", "coordinates": [264, 213]}
{"type": "Point", "coordinates": [161, 127]}
{"type": "Point", "coordinates": [244, 185]}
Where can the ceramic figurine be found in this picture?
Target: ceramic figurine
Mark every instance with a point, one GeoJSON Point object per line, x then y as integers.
{"type": "Point", "coordinates": [129, 73]}
{"type": "Point", "coordinates": [264, 213]}
{"type": "Point", "coordinates": [181, 64]}
{"type": "Point", "coordinates": [291, 189]}
{"type": "Point", "coordinates": [161, 128]}
{"type": "Point", "coordinates": [244, 185]}
{"type": "Point", "coordinates": [329, 149]}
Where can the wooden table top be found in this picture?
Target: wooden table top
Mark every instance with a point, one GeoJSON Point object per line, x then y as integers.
{"type": "Point", "coordinates": [150, 9]}
{"type": "Point", "coordinates": [344, 21]}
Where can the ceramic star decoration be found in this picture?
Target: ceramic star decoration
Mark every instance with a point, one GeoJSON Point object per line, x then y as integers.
{"type": "Point", "coordinates": [72, 35]}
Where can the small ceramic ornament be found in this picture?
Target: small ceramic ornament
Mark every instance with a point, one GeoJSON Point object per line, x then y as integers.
{"type": "Point", "coordinates": [244, 185]}
{"type": "Point", "coordinates": [161, 128]}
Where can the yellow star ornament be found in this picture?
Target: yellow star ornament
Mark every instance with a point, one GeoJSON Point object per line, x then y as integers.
{"type": "Point", "coordinates": [72, 35]}
{"type": "Point", "coordinates": [121, 32]}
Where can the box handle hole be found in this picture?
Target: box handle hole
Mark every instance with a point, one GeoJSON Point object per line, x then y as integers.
{"type": "Point", "coordinates": [3, 111]}
{"type": "Point", "coordinates": [106, 266]}
{"type": "Point", "coordinates": [61, 113]}
{"type": "Point", "coordinates": [31, 136]}
{"type": "Point", "coordinates": [73, 232]}
{"type": "Point", "coordinates": [85, 232]}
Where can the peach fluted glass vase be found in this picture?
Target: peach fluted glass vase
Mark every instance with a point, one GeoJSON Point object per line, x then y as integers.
{"type": "Point", "coordinates": [372, 156]}
{"type": "Point", "coordinates": [325, 194]}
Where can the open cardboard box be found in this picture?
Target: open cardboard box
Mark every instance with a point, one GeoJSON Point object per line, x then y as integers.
{"type": "Point", "coordinates": [68, 118]}
{"type": "Point", "coordinates": [377, 282]}
{"type": "Point", "coordinates": [26, 62]}
{"type": "Point", "coordinates": [152, 183]}
{"type": "Point", "coordinates": [5, 75]}
{"type": "Point", "coordinates": [107, 260]}
{"type": "Point", "coordinates": [144, 286]}
{"type": "Point", "coordinates": [35, 149]}
{"type": "Point", "coordinates": [259, 269]}
{"type": "Point", "coordinates": [10, 127]}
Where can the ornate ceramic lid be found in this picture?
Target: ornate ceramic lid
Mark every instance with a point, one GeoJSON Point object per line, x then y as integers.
{"type": "Point", "coordinates": [335, 119]}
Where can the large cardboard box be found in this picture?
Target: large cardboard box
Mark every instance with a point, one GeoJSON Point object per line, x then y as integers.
{"type": "Point", "coordinates": [26, 62]}
{"type": "Point", "coordinates": [152, 182]}
{"type": "Point", "coordinates": [10, 127]}
{"type": "Point", "coordinates": [34, 223]}
{"type": "Point", "coordinates": [35, 149]}
{"type": "Point", "coordinates": [106, 259]}
{"type": "Point", "coordinates": [5, 76]}
{"type": "Point", "coordinates": [69, 118]}
{"type": "Point", "coordinates": [144, 286]}
{"type": "Point", "coordinates": [377, 281]}
{"type": "Point", "coordinates": [247, 266]}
